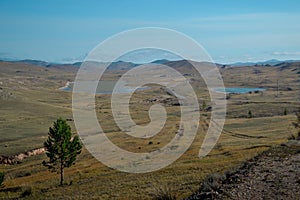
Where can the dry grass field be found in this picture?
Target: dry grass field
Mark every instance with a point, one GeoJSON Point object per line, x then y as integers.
{"type": "Point", "coordinates": [30, 101]}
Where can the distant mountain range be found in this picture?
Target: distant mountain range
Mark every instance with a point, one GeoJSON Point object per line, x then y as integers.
{"type": "Point", "coordinates": [272, 62]}
{"type": "Point", "coordinates": [121, 65]}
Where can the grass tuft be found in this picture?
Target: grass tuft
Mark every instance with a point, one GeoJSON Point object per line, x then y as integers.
{"type": "Point", "coordinates": [163, 193]}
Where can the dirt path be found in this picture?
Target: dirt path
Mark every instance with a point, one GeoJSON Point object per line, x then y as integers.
{"type": "Point", "coordinates": [275, 174]}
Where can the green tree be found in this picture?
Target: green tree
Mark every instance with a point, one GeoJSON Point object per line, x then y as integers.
{"type": "Point", "coordinates": [61, 148]}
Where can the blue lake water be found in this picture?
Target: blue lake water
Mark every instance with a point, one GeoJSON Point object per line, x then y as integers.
{"type": "Point", "coordinates": [236, 90]}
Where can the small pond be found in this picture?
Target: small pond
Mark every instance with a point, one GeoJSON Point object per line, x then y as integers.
{"type": "Point", "coordinates": [238, 90]}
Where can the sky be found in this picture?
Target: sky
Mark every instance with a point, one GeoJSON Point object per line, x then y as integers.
{"type": "Point", "coordinates": [230, 31]}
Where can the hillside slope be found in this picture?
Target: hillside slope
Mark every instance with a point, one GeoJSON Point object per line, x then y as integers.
{"type": "Point", "coordinates": [272, 175]}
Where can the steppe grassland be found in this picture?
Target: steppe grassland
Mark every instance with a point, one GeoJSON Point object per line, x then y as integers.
{"type": "Point", "coordinates": [35, 102]}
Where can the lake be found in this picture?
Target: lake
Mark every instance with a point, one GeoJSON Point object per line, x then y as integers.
{"type": "Point", "coordinates": [237, 90]}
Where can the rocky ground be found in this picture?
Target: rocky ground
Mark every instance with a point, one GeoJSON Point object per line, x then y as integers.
{"type": "Point", "coordinates": [11, 160]}
{"type": "Point", "coordinates": [275, 174]}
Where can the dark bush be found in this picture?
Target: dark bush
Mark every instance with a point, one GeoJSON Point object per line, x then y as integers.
{"type": "Point", "coordinates": [285, 112]}
{"type": "Point", "coordinates": [250, 115]}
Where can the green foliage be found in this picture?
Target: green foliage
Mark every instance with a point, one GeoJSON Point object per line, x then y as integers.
{"type": "Point", "coordinates": [285, 112]}
{"type": "Point", "coordinates": [1, 179]}
{"type": "Point", "coordinates": [61, 148]}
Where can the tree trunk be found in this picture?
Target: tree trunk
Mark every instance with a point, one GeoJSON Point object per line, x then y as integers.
{"type": "Point", "coordinates": [61, 174]}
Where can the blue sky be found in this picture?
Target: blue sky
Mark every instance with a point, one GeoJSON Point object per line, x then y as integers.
{"type": "Point", "coordinates": [230, 31]}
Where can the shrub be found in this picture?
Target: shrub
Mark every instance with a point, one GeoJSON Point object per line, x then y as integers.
{"type": "Point", "coordinates": [250, 114]}
{"type": "Point", "coordinates": [285, 112]}
{"type": "Point", "coordinates": [163, 193]}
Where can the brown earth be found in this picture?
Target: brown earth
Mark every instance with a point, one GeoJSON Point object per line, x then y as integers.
{"type": "Point", "coordinates": [274, 174]}
{"type": "Point", "coordinates": [11, 160]}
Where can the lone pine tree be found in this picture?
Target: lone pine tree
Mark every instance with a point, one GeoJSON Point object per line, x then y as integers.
{"type": "Point", "coordinates": [61, 148]}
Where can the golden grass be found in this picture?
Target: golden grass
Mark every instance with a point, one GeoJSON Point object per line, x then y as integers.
{"type": "Point", "coordinates": [26, 117]}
